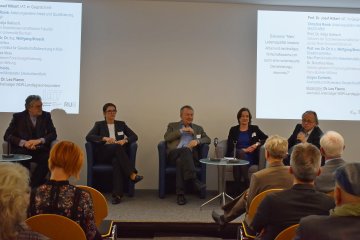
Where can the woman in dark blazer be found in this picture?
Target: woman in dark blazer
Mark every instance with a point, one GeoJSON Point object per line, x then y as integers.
{"type": "Point", "coordinates": [112, 137]}
{"type": "Point", "coordinates": [246, 140]}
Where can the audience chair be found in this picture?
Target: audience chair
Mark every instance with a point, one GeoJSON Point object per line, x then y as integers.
{"type": "Point", "coordinates": [246, 230]}
{"type": "Point", "coordinates": [288, 233]}
{"type": "Point", "coordinates": [166, 170]}
{"type": "Point", "coordinates": [105, 227]}
{"type": "Point", "coordinates": [99, 175]}
{"type": "Point", "coordinates": [56, 227]}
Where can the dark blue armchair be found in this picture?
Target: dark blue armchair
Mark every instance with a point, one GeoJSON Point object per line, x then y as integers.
{"type": "Point", "coordinates": [99, 175]}
{"type": "Point", "coordinates": [165, 169]}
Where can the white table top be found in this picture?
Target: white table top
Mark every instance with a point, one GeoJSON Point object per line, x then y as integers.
{"type": "Point", "coordinates": [15, 158]}
{"type": "Point", "coordinates": [224, 161]}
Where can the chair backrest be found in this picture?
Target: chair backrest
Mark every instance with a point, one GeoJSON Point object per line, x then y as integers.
{"type": "Point", "coordinates": [288, 233]}
{"type": "Point", "coordinates": [56, 227]}
{"type": "Point", "coordinates": [99, 202]}
{"type": "Point", "coordinates": [256, 202]}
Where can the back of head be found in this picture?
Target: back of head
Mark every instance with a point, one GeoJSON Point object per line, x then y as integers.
{"type": "Point", "coordinates": [277, 147]}
{"type": "Point", "coordinates": [348, 178]}
{"type": "Point", "coordinates": [14, 198]}
{"type": "Point", "coordinates": [68, 156]}
{"type": "Point", "coordinates": [332, 144]}
{"type": "Point", "coordinates": [305, 162]}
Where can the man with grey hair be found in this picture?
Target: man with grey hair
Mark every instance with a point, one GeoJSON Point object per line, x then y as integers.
{"type": "Point", "coordinates": [282, 209]}
{"type": "Point", "coordinates": [344, 219]}
{"type": "Point", "coordinates": [331, 147]}
{"type": "Point", "coordinates": [276, 175]}
{"type": "Point", "coordinates": [31, 132]}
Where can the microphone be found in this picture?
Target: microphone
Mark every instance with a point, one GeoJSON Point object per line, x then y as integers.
{"type": "Point", "coordinates": [8, 155]}
{"type": "Point", "coordinates": [216, 142]}
{"type": "Point", "coordinates": [235, 142]}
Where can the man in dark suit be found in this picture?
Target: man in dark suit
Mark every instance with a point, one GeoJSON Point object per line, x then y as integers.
{"type": "Point", "coordinates": [331, 147]}
{"type": "Point", "coordinates": [182, 139]}
{"type": "Point", "coordinates": [31, 132]}
{"type": "Point", "coordinates": [307, 131]}
{"type": "Point", "coordinates": [344, 220]}
{"type": "Point", "coordinates": [282, 209]}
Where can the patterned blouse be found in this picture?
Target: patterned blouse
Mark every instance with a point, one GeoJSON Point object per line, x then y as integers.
{"type": "Point", "coordinates": [60, 197]}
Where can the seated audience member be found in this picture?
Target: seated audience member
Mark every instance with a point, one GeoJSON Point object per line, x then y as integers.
{"type": "Point", "coordinates": [344, 220]}
{"type": "Point", "coordinates": [112, 137]}
{"type": "Point", "coordinates": [307, 131]}
{"type": "Point", "coordinates": [58, 196]}
{"type": "Point", "coordinates": [14, 201]}
{"type": "Point", "coordinates": [280, 210]}
{"type": "Point", "coordinates": [331, 147]}
{"type": "Point", "coordinates": [246, 140]}
{"type": "Point", "coordinates": [31, 132]}
{"type": "Point", "coordinates": [276, 175]}
{"type": "Point", "coordinates": [182, 139]}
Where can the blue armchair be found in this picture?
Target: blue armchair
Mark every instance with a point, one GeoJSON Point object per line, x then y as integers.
{"type": "Point", "coordinates": [99, 175]}
{"type": "Point", "coordinates": [165, 169]}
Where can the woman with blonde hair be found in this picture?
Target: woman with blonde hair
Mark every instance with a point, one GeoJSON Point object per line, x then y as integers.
{"type": "Point", "coordinates": [14, 201]}
{"type": "Point", "coordinates": [58, 196]}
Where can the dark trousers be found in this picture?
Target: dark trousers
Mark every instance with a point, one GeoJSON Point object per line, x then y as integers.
{"type": "Point", "coordinates": [183, 159]}
{"type": "Point", "coordinates": [115, 155]}
{"type": "Point", "coordinates": [40, 157]}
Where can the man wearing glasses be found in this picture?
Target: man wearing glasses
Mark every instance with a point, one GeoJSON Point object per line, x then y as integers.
{"type": "Point", "coordinates": [31, 132]}
{"type": "Point", "coordinates": [307, 131]}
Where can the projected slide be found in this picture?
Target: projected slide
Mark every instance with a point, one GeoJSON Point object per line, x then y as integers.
{"type": "Point", "coordinates": [40, 54]}
{"type": "Point", "coordinates": [308, 61]}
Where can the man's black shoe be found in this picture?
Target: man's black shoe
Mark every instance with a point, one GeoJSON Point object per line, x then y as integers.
{"type": "Point", "coordinates": [219, 219]}
{"type": "Point", "coordinates": [115, 199]}
{"type": "Point", "coordinates": [198, 186]}
{"type": "Point", "coordinates": [181, 200]}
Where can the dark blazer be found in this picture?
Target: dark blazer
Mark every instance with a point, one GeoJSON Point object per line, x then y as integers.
{"type": "Point", "coordinates": [325, 182]}
{"type": "Point", "coordinates": [101, 130]}
{"type": "Point", "coordinates": [328, 228]}
{"type": "Point", "coordinates": [173, 135]}
{"type": "Point", "coordinates": [21, 128]}
{"type": "Point", "coordinates": [282, 209]}
{"type": "Point", "coordinates": [256, 135]}
{"type": "Point", "coordinates": [314, 137]}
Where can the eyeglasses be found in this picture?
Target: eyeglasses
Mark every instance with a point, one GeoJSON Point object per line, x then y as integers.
{"type": "Point", "coordinates": [307, 121]}
{"type": "Point", "coordinates": [36, 106]}
{"type": "Point", "coordinates": [111, 111]}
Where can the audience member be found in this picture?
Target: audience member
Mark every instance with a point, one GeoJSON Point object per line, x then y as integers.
{"type": "Point", "coordinates": [245, 139]}
{"type": "Point", "coordinates": [280, 210]}
{"type": "Point", "coordinates": [58, 196]}
{"type": "Point", "coordinates": [331, 147]}
{"type": "Point", "coordinates": [112, 138]}
{"type": "Point", "coordinates": [276, 175]}
{"type": "Point", "coordinates": [182, 140]}
{"type": "Point", "coordinates": [344, 220]}
{"type": "Point", "coordinates": [14, 201]}
{"type": "Point", "coordinates": [31, 132]}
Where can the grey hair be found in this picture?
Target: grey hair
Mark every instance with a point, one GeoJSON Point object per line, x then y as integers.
{"type": "Point", "coordinates": [332, 144]}
{"type": "Point", "coordinates": [277, 146]}
{"type": "Point", "coordinates": [30, 99]}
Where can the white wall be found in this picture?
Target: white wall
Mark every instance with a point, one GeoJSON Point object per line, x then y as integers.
{"type": "Point", "coordinates": [150, 58]}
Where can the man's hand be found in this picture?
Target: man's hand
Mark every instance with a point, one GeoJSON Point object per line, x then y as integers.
{"type": "Point", "coordinates": [192, 144]}
{"type": "Point", "coordinates": [108, 140]}
{"type": "Point", "coordinates": [301, 137]}
{"type": "Point", "coordinates": [188, 130]}
{"type": "Point", "coordinates": [31, 144]}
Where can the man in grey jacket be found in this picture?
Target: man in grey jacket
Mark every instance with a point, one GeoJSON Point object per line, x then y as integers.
{"type": "Point", "coordinates": [182, 139]}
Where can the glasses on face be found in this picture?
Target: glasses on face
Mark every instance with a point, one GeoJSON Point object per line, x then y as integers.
{"type": "Point", "coordinates": [307, 121]}
{"type": "Point", "coordinates": [38, 106]}
{"type": "Point", "coordinates": [111, 111]}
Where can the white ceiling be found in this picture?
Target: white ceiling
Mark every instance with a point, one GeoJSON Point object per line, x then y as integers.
{"type": "Point", "coordinates": [308, 3]}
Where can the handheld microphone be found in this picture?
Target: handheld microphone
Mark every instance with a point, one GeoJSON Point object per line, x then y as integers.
{"type": "Point", "coordinates": [216, 142]}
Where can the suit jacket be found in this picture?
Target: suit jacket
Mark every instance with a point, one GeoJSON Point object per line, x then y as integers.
{"type": "Point", "coordinates": [276, 175]}
{"type": "Point", "coordinates": [101, 130]}
{"type": "Point", "coordinates": [328, 228]}
{"type": "Point", "coordinates": [173, 135]}
{"type": "Point", "coordinates": [325, 182]}
{"type": "Point", "coordinates": [21, 128]}
{"type": "Point", "coordinates": [282, 209]}
{"type": "Point", "coordinates": [314, 137]}
{"type": "Point", "coordinates": [256, 135]}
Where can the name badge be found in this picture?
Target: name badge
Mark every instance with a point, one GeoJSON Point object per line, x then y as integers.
{"type": "Point", "coordinates": [121, 133]}
{"type": "Point", "coordinates": [198, 136]}
{"type": "Point", "coordinates": [253, 134]}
